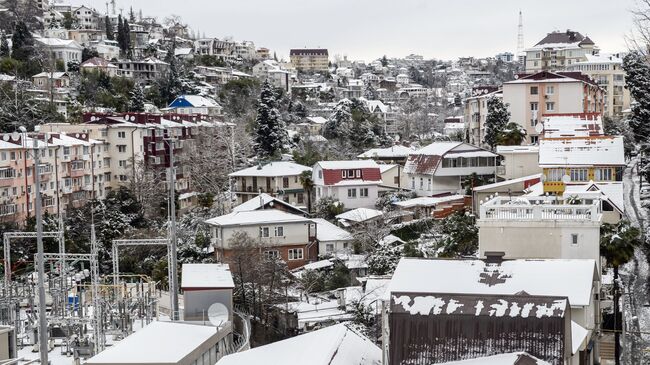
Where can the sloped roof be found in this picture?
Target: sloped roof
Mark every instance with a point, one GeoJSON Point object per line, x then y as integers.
{"type": "Point", "coordinates": [327, 232]}
{"type": "Point", "coordinates": [273, 169]}
{"type": "Point", "coordinates": [195, 101]}
{"type": "Point", "coordinates": [352, 164]}
{"type": "Point", "coordinates": [262, 201]}
{"type": "Point", "coordinates": [256, 217]}
{"type": "Point", "coordinates": [557, 278]}
{"type": "Point", "coordinates": [334, 345]}
{"type": "Point", "coordinates": [397, 151]}
{"type": "Point", "coordinates": [513, 358]}
{"type": "Point", "coordinates": [360, 214]}
{"type": "Point", "coordinates": [568, 37]}
{"type": "Point", "coordinates": [97, 62]}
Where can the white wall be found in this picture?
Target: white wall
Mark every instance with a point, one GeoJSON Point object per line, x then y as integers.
{"type": "Point", "coordinates": [294, 233]}
{"type": "Point", "coordinates": [515, 96]}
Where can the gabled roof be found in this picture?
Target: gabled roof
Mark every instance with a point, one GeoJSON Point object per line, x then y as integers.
{"type": "Point", "coordinates": [359, 215]}
{"type": "Point", "coordinates": [427, 159]}
{"type": "Point", "coordinates": [53, 75]}
{"type": "Point", "coordinates": [195, 101]}
{"type": "Point", "coordinates": [590, 151]}
{"type": "Point", "coordinates": [343, 165]}
{"type": "Point", "coordinates": [397, 151]}
{"type": "Point", "coordinates": [555, 278]}
{"type": "Point", "coordinates": [327, 232]}
{"type": "Point", "coordinates": [206, 276]}
{"type": "Point", "coordinates": [568, 37]}
{"type": "Point", "coordinates": [255, 217]}
{"type": "Point", "coordinates": [429, 201]}
{"type": "Point", "coordinates": [273, 169]}
{"type": "Point", "coordinates": [333, 345]}
{"type": "Point", "coordinates": [265, 200]}
{"type": "Point", "coordinates": [97, 62]}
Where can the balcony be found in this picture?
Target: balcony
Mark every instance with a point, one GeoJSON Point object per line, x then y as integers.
{"type": "Point", "coordinates": [8, 209]}
{"type": "Point", "coordinates": [544, 208]}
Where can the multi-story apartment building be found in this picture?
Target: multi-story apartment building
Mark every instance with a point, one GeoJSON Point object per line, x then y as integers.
{"type": "Point", "coordinates": [476, 111]}
{"type": "Point", "coordinates": [61, 50]}
{"type": "Point", "coordinates": [310, 60]}
{"type": "Point", "coordinates": [440, 167]}
{"type": "Point", "coordinates": [532, 96]}
{"type": "Point", "coordinates": [86, 18]}
{"type": "Point", "coordinates": [353, 183]}
{"type": "Point", "coordinates": [222, 49]}
{"type": "Point", "coordinates": [279, 179]}
{"type": "Point", "coordinates": [143, 71]}
{"type": "Point", "coordinates": [607, 71]}
{"type": "Point", "coordinates": [558, 50]}
{"type": "Point", "coordinates": [287, 236]}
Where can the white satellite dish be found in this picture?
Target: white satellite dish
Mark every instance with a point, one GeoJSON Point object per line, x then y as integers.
{"type": "Point", "coordinates": [539, 128]}
{"type": "Point", "coordinates": [566, 179]}
{"type": "Point", "coordinates": [218, 314]}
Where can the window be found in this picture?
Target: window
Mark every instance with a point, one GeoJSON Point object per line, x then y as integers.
{"type": "Point", "coordinates": [301, 198]}
{"type": "Point", "coordinates": [358, 172]}
{"type": "Point", "coordinates": [413, 182]}
{"type": "Point", "coordinates": [574, 238]}
{"type": "Point", "coordinates": [352, 193]}
{"type": "Point", "coordinates": [279, 231]}
{"type": "Point", "coordinates": [121, 148]}
{"type": "Point", "coordinates": [285, 182]}
{"type": "Point", "coordinates": [550, 107]}
{"type": "Point", "coordinates": [344, 174]}
{"type": "Point", "coordinates": [534, 107]}
{"type": "Point", "coordinates": [396, 180]}
{"type": "Point", "coordinates": [320, 174]}
{"type": "Point", "coordinates": [121, 134]}
{"type": "Point", "coordinates": [550, 90]}
{"type": "Point", "coordinates": [363, 192]}
{"type": "Point", "coordinates": [264, 231]}
{"type": "Point", "coordinates": [329, 247]}
{"type": "Point", "coordinates": [603, 174]}
{"type": "Point", "coordinates": [124, 178]}
{"type": "Point", "coordinates": [554, 175]}
{"type": "Point", "coordinates": [122, 163]}
{"type": "Point", "coordinates": [429, 185]}
{"type": "Point", "coordinates": [272, 254]}
{"type": "Point", "coordinates": [534, 90]}
{"type": "Point", "coordinates": [295, 254]}
{"type": "Point", "coordinates": [578, 174]}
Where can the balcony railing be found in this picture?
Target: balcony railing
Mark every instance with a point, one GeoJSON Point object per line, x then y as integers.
{"type": "Point", "coordinates": [539, 209]}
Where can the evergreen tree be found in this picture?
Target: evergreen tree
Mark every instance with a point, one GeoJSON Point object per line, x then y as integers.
{"type": "Point", "coordinates": [270, 133]}
{"type": "Point", "coordinates": [370, 93]}
{"type": "Point", "coordinates": [109, 28]}
{"type": "Point", "coordinates": [384, 61]}
{"type": "Point", "coordinates": [136, 104]}
{"type": "Point", "coordinates": [131, 15]}
{"type": "Point", "coordinates": [127, 37]}
{"type": "Point", "coordinates": [638, 82]}
{"type": "Point", "coordinates": [4, 45]}
{"type": "Point", "coordinates": [120, 32]}
{"type": "Point", "coordinates": [170, 85]}
{"type": "Point", "coordinates": [513, 134]}
{"type": "Point", "coordinates": [339, 123]}
{"type": "Point", "coordinates": [22, 43]}
{"type": "Point", "coordinates": [496, 120]}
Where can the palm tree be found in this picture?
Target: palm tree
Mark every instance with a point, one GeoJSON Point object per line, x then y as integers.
{"type": "Point", "coordinates": [512, 135]}
{"type": "Point", "coordinates": [308, 186]}
{"type": "Point", "coordinates": [617, 245]}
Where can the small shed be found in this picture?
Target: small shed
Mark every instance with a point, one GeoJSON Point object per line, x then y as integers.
{"type": "Point", "coordinates": [204, 285]}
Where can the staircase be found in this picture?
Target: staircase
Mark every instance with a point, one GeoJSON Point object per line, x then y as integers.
{"type": "Point", "coordinates": [606, 342]}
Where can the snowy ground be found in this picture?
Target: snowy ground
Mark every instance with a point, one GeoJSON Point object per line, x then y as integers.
{"type": "Point", "coordinates": [634, 276]}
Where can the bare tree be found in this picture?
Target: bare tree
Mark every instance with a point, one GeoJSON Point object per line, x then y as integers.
{"type": "Point", "coordinates": [639, 37]}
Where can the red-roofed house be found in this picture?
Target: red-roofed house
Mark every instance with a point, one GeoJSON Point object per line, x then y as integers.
{"type": "Point", "coordinates": [353, 183]}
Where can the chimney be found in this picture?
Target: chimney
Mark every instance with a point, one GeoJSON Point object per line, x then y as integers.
{"type": "Point", "coordinates": [494, 257]}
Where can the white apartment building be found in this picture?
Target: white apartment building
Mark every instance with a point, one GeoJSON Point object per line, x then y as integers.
{"type": "Point", "coordinates": [61, 49]}
{"type": "Point", "coordinates": [353, 183]}
{"type": "Point", "coordinates": [607, 71]}
{"type": "Point", "coordinates": [279, 179]}
{"type": "Point", "coordinates": [559, 50]}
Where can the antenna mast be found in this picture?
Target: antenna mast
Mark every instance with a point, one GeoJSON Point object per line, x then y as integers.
{"type": "Point", "coordinates": [520, 36]}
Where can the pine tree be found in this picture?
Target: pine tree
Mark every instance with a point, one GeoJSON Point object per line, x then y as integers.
{"type": "Point", "coordinates": [270, 133]}
{"type": "Point", "coordinates": [136, 104]}
{"type": "Point", "coordinates": [131, 15]}
{"type": "Point", "coordinates": [120, 32]}
{"type": "Point", "coordinates": [370, 93]}
{"type": "Point", "coordinates": [338, 124]}
{"type": "Point", "coordinates": [22, 43]}
{"type": "Point", "coordinates": [4, 45]}
{"type": "Point", "coordinates": [109, 28]}
{"type": "Point", "coordinates": [496, 120]}
{"type": "Point", "coordinates": [638, 82]}
{"type": "Point", "coordinates": [384, 61]}
{"type": "Point", "coordinates": [170, 85]}
{"type": "Point", "coordinates": [127, 37]}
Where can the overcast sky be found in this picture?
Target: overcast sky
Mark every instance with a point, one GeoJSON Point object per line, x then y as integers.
{"type": "Point", "coordinates": [368, 29]}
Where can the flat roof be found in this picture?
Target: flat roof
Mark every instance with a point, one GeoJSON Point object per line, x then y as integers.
{"type": "Point", "coordinates": [207, 276]}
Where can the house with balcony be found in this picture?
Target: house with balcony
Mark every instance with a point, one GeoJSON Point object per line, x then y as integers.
{"type": "Point", "coordinates": [353, 183]}
{"type": "Point", "coordinates": [280, 179]}
{"type": "Point", "coordinates": [293, 238]}
{"type": "Point", "coordinates": [440, 167]}
{"type": "Point", "coordinates": [547, 308]}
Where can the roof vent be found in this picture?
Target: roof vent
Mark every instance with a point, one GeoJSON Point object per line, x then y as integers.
{"type": "Point", "coordinates": [494, 257]}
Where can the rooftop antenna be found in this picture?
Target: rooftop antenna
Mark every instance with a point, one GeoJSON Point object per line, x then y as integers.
{"type": "Point", "coordinates": [113, 5]}
{"type": "Point", "coordinates": [520, 35]}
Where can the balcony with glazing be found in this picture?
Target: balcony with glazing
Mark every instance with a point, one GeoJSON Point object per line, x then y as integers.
{"type": "Point", "coordinates": [540, 208]}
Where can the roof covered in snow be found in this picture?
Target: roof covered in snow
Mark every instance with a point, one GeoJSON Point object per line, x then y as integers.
{"type": "Point", "coordinates": [255, 217]}
{"type": "Point", "coordinates": [206, 276]}
{"type": "Point", "coordinates": [397, 151]}
{"type": "Point", "coordinates": [596, 151]}
{"type": "Point", "coordinates": [611, 191]}
{"type": "Point", "coordinates": [563, 126]}
{"type": "Point", "coordinates": [327, 232]}
{"type": "Point", "coordinates": [554, 278]}
{"type": "Point", "coordinates": [513, 358]}
{"type": "Point", "coordinates": [157, 343]}
{"type": "Point", "coordinates": [195, 101]}
{"type": "Point", "coordinates": [524, 179]}
{"type": "Point", "coordinates": [359, 215]}
{"type": "Point", "coordinates": [429, 201]}
{"type": "Point", "coordinates": [334, 345]}
{"type": "Point", "coordinates": [262, 201]}
{"type": "Point", "coordinates": [342, 165]}
{"type": "Point", "coordinates": [273, 169]}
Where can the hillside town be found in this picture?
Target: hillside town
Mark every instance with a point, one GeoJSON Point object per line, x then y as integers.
{"type": "Point", "coordinates": [174, 196]}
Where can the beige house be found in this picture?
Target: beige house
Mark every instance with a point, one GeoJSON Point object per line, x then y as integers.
{"type": "Point", "coordinates": [607, 71]}
{"type": "Point", "coordinates": [280, 179]}
{"type": "Point", "coordinates": [476, 111]}
{"type": "Point", "coordinates": [531, 97]}
{"type": "Point", "coordinates": [559, 50]}
{"type": "Point", "coordinates": [310, 60]}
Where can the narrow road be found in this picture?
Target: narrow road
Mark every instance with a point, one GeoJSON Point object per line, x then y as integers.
{"type": "Point", "coordinates": [634, 277]}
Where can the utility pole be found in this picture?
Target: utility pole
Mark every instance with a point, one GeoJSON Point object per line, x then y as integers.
{"type": "Point", "coordinates": [42, 316]}
{"type": "Point", "coordinates": [173, 280]}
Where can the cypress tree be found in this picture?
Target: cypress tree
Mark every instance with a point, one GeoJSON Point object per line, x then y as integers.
{"type": "Point", "coordinates": [270, 133]}
{"type": "Point", "coordinates": [109, 28]}
{"type": "Point", "coordinates": [496, 120]}
{"type": "Point", "coordinates": [638, 82]}
{"type": "Point", "coordinates": [22, 43]}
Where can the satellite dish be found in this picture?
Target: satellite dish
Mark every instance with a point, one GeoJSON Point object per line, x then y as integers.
{"type": "Point", "coordinates": [218, 314]}
{"type": "Point", "coordinates": [6, 137]}
{"type": "Point", "coordinates": [15, 136]}
{"type": "Point", "coordinates": [566, 179]}
{"type": "Point", "coordinates": [539, 128]}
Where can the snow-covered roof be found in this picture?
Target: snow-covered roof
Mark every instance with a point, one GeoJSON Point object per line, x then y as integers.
{"type": "Point", "coordinates": [513, 358]}
{"type": "Point", "coordinates": [570, 126]}
{"type": "Point", "coordinates": [508, 182]}
{"type": "Point", "coordinates": [334, 345]}
{"type": "Point", "coordinates": [273, 169]}
{"type": "Point", "coordinates": [357, 182]}
{"type": "Point", "coordinates": [360, 215]}
{"type": "Point", "coordinates": [261, 201]}
{"type": "Point", "coordinates": [596, 151]}
{"type": "Point", "coordinates": [317, 120]}
{"type": "Point", "coordinates": [157, 343]}
{"type": "Point", "coordinates": [437, 148]}
{"type": "Point", "coordinates": [54, 75]}
{"type": "Point", "coordinates": [612, 191]}
{"type": "Point", "coordinates": [428, 201]}
{"type": "Point", "coordinates": [204, 276]}
{"type": "Point", "coordinates": [556, 278]}
{"type": "Point", "coordinates": [342, 165]}
{"type": "Point", "coordinates": [397, 151]}
{"type": "Point", "coordinates": [386, 167]}
{"type": "Point", "coordinates": [327, 232]}
{"type": "Point", "coordinates": [256, 217]}
{"type": "Point", "coordinates": [56, 42]}
{"type": "Point", "coordinates": [197, 101]}
{"type": "Point", "coordinates": [517, 149]}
